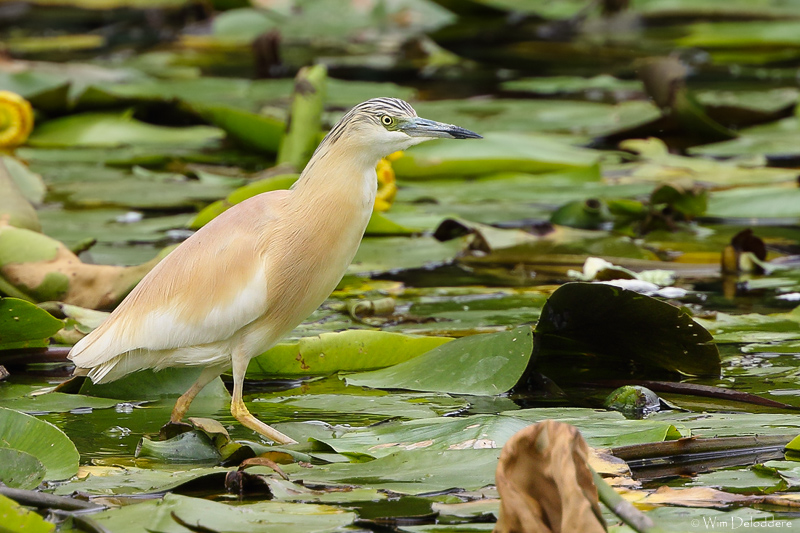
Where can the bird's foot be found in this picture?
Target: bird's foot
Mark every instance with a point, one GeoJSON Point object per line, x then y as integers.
{"type": "Point", "coordinates": [240, 413]}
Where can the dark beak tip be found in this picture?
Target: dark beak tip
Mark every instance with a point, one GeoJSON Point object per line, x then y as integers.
{"type": "Point", "coordinates": [465, 134]}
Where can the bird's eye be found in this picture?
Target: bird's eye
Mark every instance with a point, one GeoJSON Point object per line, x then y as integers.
{"type": "Point", "coordinates": [387, 120]}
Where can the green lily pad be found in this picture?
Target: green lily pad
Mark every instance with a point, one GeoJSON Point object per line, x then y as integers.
{"type": "Point", "coordinates": [480, 364]}
{"type": "Point", "coordinates": [347, 351]}
{"type": "Point", "coordinates": [117, 129]}
{"type": "Point", "coordinates": [252, 130]}
{"type": "Point", "coordinates": [148, 385]}
{"type": "Point", "coordinates": [752, 202]}
{"type": "Point", "coordinates": [20, 470]}
{"type": "Point", "coordinates": [188, 447]}
{"type": "Point", "coordinates": [41, 439]}
{"type": "Point", "coordinates": [557, 116]}
{"type": "Point", "coordinates": [496, 152]}
{"type": "Point", "coordinates": [18, 518]}
{"type": "Point", "coordinates": [369, 405]}
{"type": "Point", "coordinates": [264, 517]}
{"type": "Point", "coordinates": [57, 402]}
{"type": "Point", "coordinates": [424, 471]}
{"type": "Point", "coordinates": [24, 325]}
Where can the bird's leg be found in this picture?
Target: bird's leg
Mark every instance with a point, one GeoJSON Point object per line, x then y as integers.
{"type": "Point", "coordinates": [182, 405]}
{"type": "Point", "coordinates": [239, 409]}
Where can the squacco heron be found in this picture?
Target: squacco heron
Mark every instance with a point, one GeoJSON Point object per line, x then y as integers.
{"type": "Point", "coordinates": [246, 279]}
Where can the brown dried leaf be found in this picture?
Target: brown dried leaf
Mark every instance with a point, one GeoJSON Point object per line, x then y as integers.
{"type": "Point", "coordinates": [545, 483]}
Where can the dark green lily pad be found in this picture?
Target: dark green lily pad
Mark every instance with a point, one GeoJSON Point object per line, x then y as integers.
{"type": "Point", "coordinates": [602, 323]}
{"type": "Point", "coordinates": [57, 402]}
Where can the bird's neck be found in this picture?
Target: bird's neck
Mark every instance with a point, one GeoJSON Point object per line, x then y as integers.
{"type": "Point", "coordinates": [342, 176]}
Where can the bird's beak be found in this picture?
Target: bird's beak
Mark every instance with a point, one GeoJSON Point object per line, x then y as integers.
{"type": "Point", "coordinates": [422, 127]}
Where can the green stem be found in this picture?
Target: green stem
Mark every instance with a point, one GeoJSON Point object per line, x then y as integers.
{"type": "Point", "coordinates": [625, 510]}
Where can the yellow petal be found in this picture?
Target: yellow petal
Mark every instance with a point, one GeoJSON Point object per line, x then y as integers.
{"type": "Point", "coordinates": [16, 119]}
{"type": "Point", "coordinates": [387, 189]}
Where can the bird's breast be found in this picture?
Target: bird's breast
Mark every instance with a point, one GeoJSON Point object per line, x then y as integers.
{"type": "Point", "coordinates": [310, 253]}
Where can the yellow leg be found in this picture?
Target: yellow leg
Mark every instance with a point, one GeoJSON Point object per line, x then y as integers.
{"type": "Point", "coordinates": [183, 403]}
{"type": "Point", "coordinates": [239, 409]}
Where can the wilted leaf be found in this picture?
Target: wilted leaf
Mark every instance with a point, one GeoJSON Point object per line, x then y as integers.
{"type": "Point", "coordinates": [545, 483]}
{"type": "Point", "coordinates": [39, 268]}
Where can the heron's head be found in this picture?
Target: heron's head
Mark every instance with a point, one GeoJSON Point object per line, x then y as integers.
{"type": "Point", "coordinates": [381, 126]}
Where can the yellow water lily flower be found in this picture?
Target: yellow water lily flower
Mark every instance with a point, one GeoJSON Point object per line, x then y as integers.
{"type": "Point", "coordinates": [387, 188]}
{"type": "Point", "coordinates": [16, 119]}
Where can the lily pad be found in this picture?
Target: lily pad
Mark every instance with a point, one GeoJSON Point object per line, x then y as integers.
{"type": "Point", "coordinates": [18, 518]}
{"type": "Point", "coordinates": [752, 202]}
{"type": "Point", "coordinates": [23, 325]}
{"type": "Point", "coordinates": [188, 447]}
{"type": "Point", "coordinates": [148, 385]}
{"type": "Point", "coordinates": [496, 152]}
{"type": "Point", "coordinates": [480, 364]}
{"type": "Point", "coordinates": [347, 351]}
{"type": "Point", "coordinates": [117, 129]}
{"type": "Point", "coordinates": [603, 323]}
{"type": "Point", "coordinates": [264, 517]}
{"type": "Point", "coordinates": [424, 471]}
{"type": "Point", "coordinates": [20, 470]}
{"type": "Point", "coordinates": [41, 439]}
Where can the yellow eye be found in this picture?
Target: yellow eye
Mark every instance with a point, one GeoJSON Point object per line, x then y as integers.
{"type": "Point", "coordinates": [387, 120]}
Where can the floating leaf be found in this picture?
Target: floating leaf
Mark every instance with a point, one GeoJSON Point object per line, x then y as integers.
{"type": "Point", "coordinates": [424, 471]}
{"type": "Point", "coordinates": [606, 324]}
{"type": "Point", "coordinates": [347, 351]}
{"type": "Point", "coordinates": [251, 129]}
{"type": "Point", "coordinates": [20, 470]}
{"type": "Point", "coordinates": [115, 129]}
{"type": "Point", "coordinates": [188, 447]}
{"type": "Point", "coordinates": [41, 439]}
{"type": "Point", "coordinates": [752, 202]}
{"type": "Point", "coordinates": [23, 325]}
{"type": "Point", "coordinates": [264, 517]}
{"type": "Point", "coordinates": [497, 152]}
{"type": "Point", "coordinates": [18, 518]}
{"type": "Point", "coordinates": [149, 384]}
{"type": "Point", "coordinates": [480, 364]}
